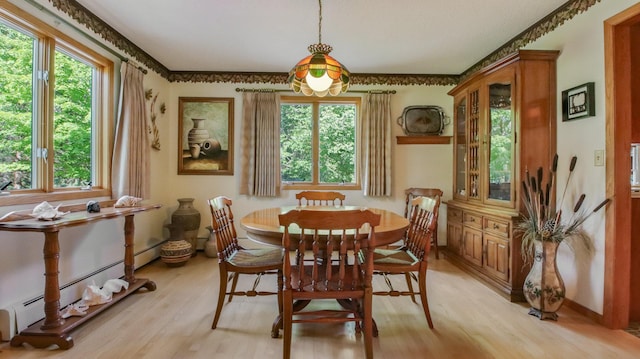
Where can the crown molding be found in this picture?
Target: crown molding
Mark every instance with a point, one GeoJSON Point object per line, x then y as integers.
{"type": "Point", "coordinates": [547, 24]}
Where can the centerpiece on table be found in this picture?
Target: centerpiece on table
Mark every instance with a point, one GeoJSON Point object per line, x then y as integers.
{"type": "Point", "coordinates": [543, 229]}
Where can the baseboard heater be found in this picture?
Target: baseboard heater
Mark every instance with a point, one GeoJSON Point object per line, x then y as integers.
{"type": "Point", "coordinates": [16, 317]}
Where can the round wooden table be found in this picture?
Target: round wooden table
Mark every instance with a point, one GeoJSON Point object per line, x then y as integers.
{"type": "Point", "coordinates": [262, 225]}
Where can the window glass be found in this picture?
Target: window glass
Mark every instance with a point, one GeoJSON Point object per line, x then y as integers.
{"type": "Point", "coordinates": [56, 114]}
{"type": "Point", "coordinates": [337, 143]}
{"type": "Point", "coordinates": [72, 121]}
{"type": "Point", "coordinates": [16, 107]}
{"type": "Point", "coordinates": [318, 141]}
{"type": "Point", "coordinates": [296, 133]}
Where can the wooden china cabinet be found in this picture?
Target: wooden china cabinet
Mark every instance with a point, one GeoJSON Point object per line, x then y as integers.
{"type": "Point", "coordinates": [504, 123]}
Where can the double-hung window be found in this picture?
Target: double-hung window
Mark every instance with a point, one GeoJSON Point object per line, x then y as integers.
{"type": "Point", "coordinates": [56, 105]}
{"type": "Point", "coordinates": [319, 142]}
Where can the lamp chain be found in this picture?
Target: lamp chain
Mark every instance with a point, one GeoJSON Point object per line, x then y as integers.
{"type": "Point", "coordinates": [320, 23]}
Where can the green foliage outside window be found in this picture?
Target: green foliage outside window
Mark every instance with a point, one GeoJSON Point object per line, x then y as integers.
{"type": "Point", "coordinates": [336, 143]}
{"type": "Point", "coordinates": [15, 107]}
{"type": "Point", "coordinates": [72, 120]}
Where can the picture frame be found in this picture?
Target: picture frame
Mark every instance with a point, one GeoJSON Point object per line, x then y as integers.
{"type": "Point", "coordinates": [578, 102]}
{"type": "Point", "coordinates": [205, 135]}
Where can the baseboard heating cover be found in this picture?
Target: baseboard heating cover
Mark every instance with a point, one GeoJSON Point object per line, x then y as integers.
{"type": "Point", "coordinates": [18, 316]}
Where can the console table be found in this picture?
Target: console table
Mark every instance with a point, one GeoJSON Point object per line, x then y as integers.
{"type": "Point", "coordinates": [54, 329]}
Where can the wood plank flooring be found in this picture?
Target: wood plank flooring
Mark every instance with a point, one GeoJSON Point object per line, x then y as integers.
{"type": "Point", "coordinates": [471, 321]}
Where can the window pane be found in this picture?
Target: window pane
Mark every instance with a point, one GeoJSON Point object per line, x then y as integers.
{"type": "Point", "coordinates": [72, 121]}
{"type": "Point", "coordinates": [296, 142]}
{"type": "Point", "coordinates": [16, 107]}
{"type": "Point", "coordinates": [337, 127]}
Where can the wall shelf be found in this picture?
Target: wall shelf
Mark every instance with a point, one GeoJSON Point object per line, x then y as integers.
{"type": "Point", "coordinates": [423, 140]}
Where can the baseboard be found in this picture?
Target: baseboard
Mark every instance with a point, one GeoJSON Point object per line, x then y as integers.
{"type": "Point", "coordinates": [584, 311]}
{"type": "Point", "coordinates": [18, 316]}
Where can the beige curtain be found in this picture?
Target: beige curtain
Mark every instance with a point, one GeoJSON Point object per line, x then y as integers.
{"type": "Point", "coordinates": [130, 161]}
{"type": "Point", "coordinates": [260, 144]}
{"type": "Point", "coordinates": [376, 145]}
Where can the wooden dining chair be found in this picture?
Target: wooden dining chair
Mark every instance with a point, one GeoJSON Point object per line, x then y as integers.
{"type": "Point", "coordinates": [320, 198]}
{"type": "Point", "coordinates": [348, 235]}
{"type": "Point", "coordinates": [234, 260]}
{"type": "Point", "coordinates": [413, 192]}
{"type": "Point", "coordinates": [412, 257]}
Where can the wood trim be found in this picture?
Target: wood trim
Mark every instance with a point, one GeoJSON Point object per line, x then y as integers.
{"type": "Point", "coordinates": [423, 140]}
{"type": "Point", "coordinates": [618, 138]}
{"type": "Point", "coordinates": [583, 311]}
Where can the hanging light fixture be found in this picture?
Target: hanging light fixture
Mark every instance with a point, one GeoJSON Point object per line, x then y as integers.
{"type": "Point", "coordinates": [319, 74]}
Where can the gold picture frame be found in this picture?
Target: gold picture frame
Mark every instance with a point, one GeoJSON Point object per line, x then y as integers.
{"type": "Point", "coordinates": [205, 136]}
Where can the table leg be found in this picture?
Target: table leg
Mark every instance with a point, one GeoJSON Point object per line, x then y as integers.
{"type": "Point", "coordinates": [51, 253]}
{"type": "Point", "coordinates": [129, 229]}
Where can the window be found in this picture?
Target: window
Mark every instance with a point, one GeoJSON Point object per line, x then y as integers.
{"type": "Point", "coordinates": [56, 102]}
{"type": "Point", "coordinates": [318, 142]}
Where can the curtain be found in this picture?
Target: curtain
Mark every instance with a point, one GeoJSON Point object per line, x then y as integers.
{"type": "Point", "coordinates": [260, 144]}
{"type": "Point", "coordinates": [130, 161]}
{"type": "Point", "coordinates": [376, 145]}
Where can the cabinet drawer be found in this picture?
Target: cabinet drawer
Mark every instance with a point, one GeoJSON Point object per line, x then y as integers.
{"type": "Point", "coordinates": [454, 215]}
{"type": "Point", "coordinates": [472, 220]}
{"type": "Point", "coordinates": [497, 226]}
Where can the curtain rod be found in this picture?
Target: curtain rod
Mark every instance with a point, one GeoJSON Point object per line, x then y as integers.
{"type": "Point", "coordinates": [239, 89]}
{"type": "Point", "coordinates": [144, 71]}
{"type": "Point", "coordinates": [84, 34]}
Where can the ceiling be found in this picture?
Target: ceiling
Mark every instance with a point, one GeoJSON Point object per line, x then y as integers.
{"type": "Point", "coordinates": [367, 36]}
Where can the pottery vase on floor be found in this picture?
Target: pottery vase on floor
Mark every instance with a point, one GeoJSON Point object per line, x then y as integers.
{"type": "Point", "coordinates": [198, 134]}
{"type": "Point", "coordinates": [176, 252]}
{"type": "Point", "coordinates": [543, 287]}
{"type": "Point", "coordinates": [189, 218]}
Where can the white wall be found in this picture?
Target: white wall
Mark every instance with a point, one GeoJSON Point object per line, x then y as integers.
{"type": "Point", "coordinates": [414, 165]}
{"type": "Point", "coordinates": [581, 42]}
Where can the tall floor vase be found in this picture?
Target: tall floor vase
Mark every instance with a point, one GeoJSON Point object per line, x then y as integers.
{"type": "Point", "coordinates": [543, 287]}
{"type": "Point", "coordinates": [189, 218]}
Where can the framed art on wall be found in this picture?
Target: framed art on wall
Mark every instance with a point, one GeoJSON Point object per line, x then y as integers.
{"type": "Point", "coordinates": [205, 136]}
{"type": "Point", "coordinates": [578, 102]}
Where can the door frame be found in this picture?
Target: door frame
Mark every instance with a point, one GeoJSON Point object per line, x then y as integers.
{"type": "Point", "coordinates": [617, 274]}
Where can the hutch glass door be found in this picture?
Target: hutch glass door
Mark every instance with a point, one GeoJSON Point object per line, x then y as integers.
{"type": "Point", "coordinates": [500, 154]}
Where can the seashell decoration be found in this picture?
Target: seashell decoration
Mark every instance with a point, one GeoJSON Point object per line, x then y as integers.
{"type": "Point", "coordinates": [127, 201]}
{"type": "Point", "coordinates": [46, 212]}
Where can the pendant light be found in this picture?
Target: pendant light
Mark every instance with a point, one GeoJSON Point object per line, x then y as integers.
{"type": "Point", "coordinates": [319, 74]}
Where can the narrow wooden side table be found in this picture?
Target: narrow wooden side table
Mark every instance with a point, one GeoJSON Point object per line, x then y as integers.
{"type": "Point", "coordinates": [54, 329]}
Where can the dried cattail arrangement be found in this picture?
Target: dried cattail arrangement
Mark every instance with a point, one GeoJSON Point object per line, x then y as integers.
{"type": "Point", "coordinates": [543, 222]}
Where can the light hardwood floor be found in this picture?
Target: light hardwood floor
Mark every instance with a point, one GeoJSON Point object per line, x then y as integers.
{"type": "Point", "coordinates": [471, 321]}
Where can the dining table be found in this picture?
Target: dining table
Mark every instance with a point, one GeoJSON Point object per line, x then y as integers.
{"type": "Point", "coordinates": [263, 226]}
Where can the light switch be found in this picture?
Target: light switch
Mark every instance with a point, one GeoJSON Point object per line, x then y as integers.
{"type": "Point", "coordinates": [598, 158]}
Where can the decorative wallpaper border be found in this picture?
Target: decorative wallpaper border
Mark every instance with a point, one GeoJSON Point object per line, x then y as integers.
{"type": "Point", "coordinates": [547, 24]}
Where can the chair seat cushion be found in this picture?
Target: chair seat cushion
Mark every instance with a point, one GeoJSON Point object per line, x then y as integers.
{"type": "Point", "coordinates": [393, 257]}
{"type": "Point", "coordinates": [261, 257]}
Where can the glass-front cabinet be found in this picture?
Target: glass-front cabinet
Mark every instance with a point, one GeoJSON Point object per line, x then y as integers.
{"type": "Point", "coordinates": [505, 122]}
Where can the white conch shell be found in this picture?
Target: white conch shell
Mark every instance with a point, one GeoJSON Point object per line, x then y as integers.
{"type": "Point", "coordinates": [127, 201]}
{"type": "Point", "coordinates": [46, 212]}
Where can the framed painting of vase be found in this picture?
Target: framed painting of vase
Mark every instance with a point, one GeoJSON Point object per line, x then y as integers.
{"type": "Point", "coordinates": [205, 136]}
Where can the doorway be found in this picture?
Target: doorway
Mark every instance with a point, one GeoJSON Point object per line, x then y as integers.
{"type": "Point", "coordinates": [622, 244]}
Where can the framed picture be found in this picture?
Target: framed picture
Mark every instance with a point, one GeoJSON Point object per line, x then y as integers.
{"type": "Point", "coordinates": [578, 102]}
{"type": "Point", "coordinates": [205, 136]}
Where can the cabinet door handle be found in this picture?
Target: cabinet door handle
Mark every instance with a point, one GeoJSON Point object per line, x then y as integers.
{"type": "Point", "coordinates": [496, 226]}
